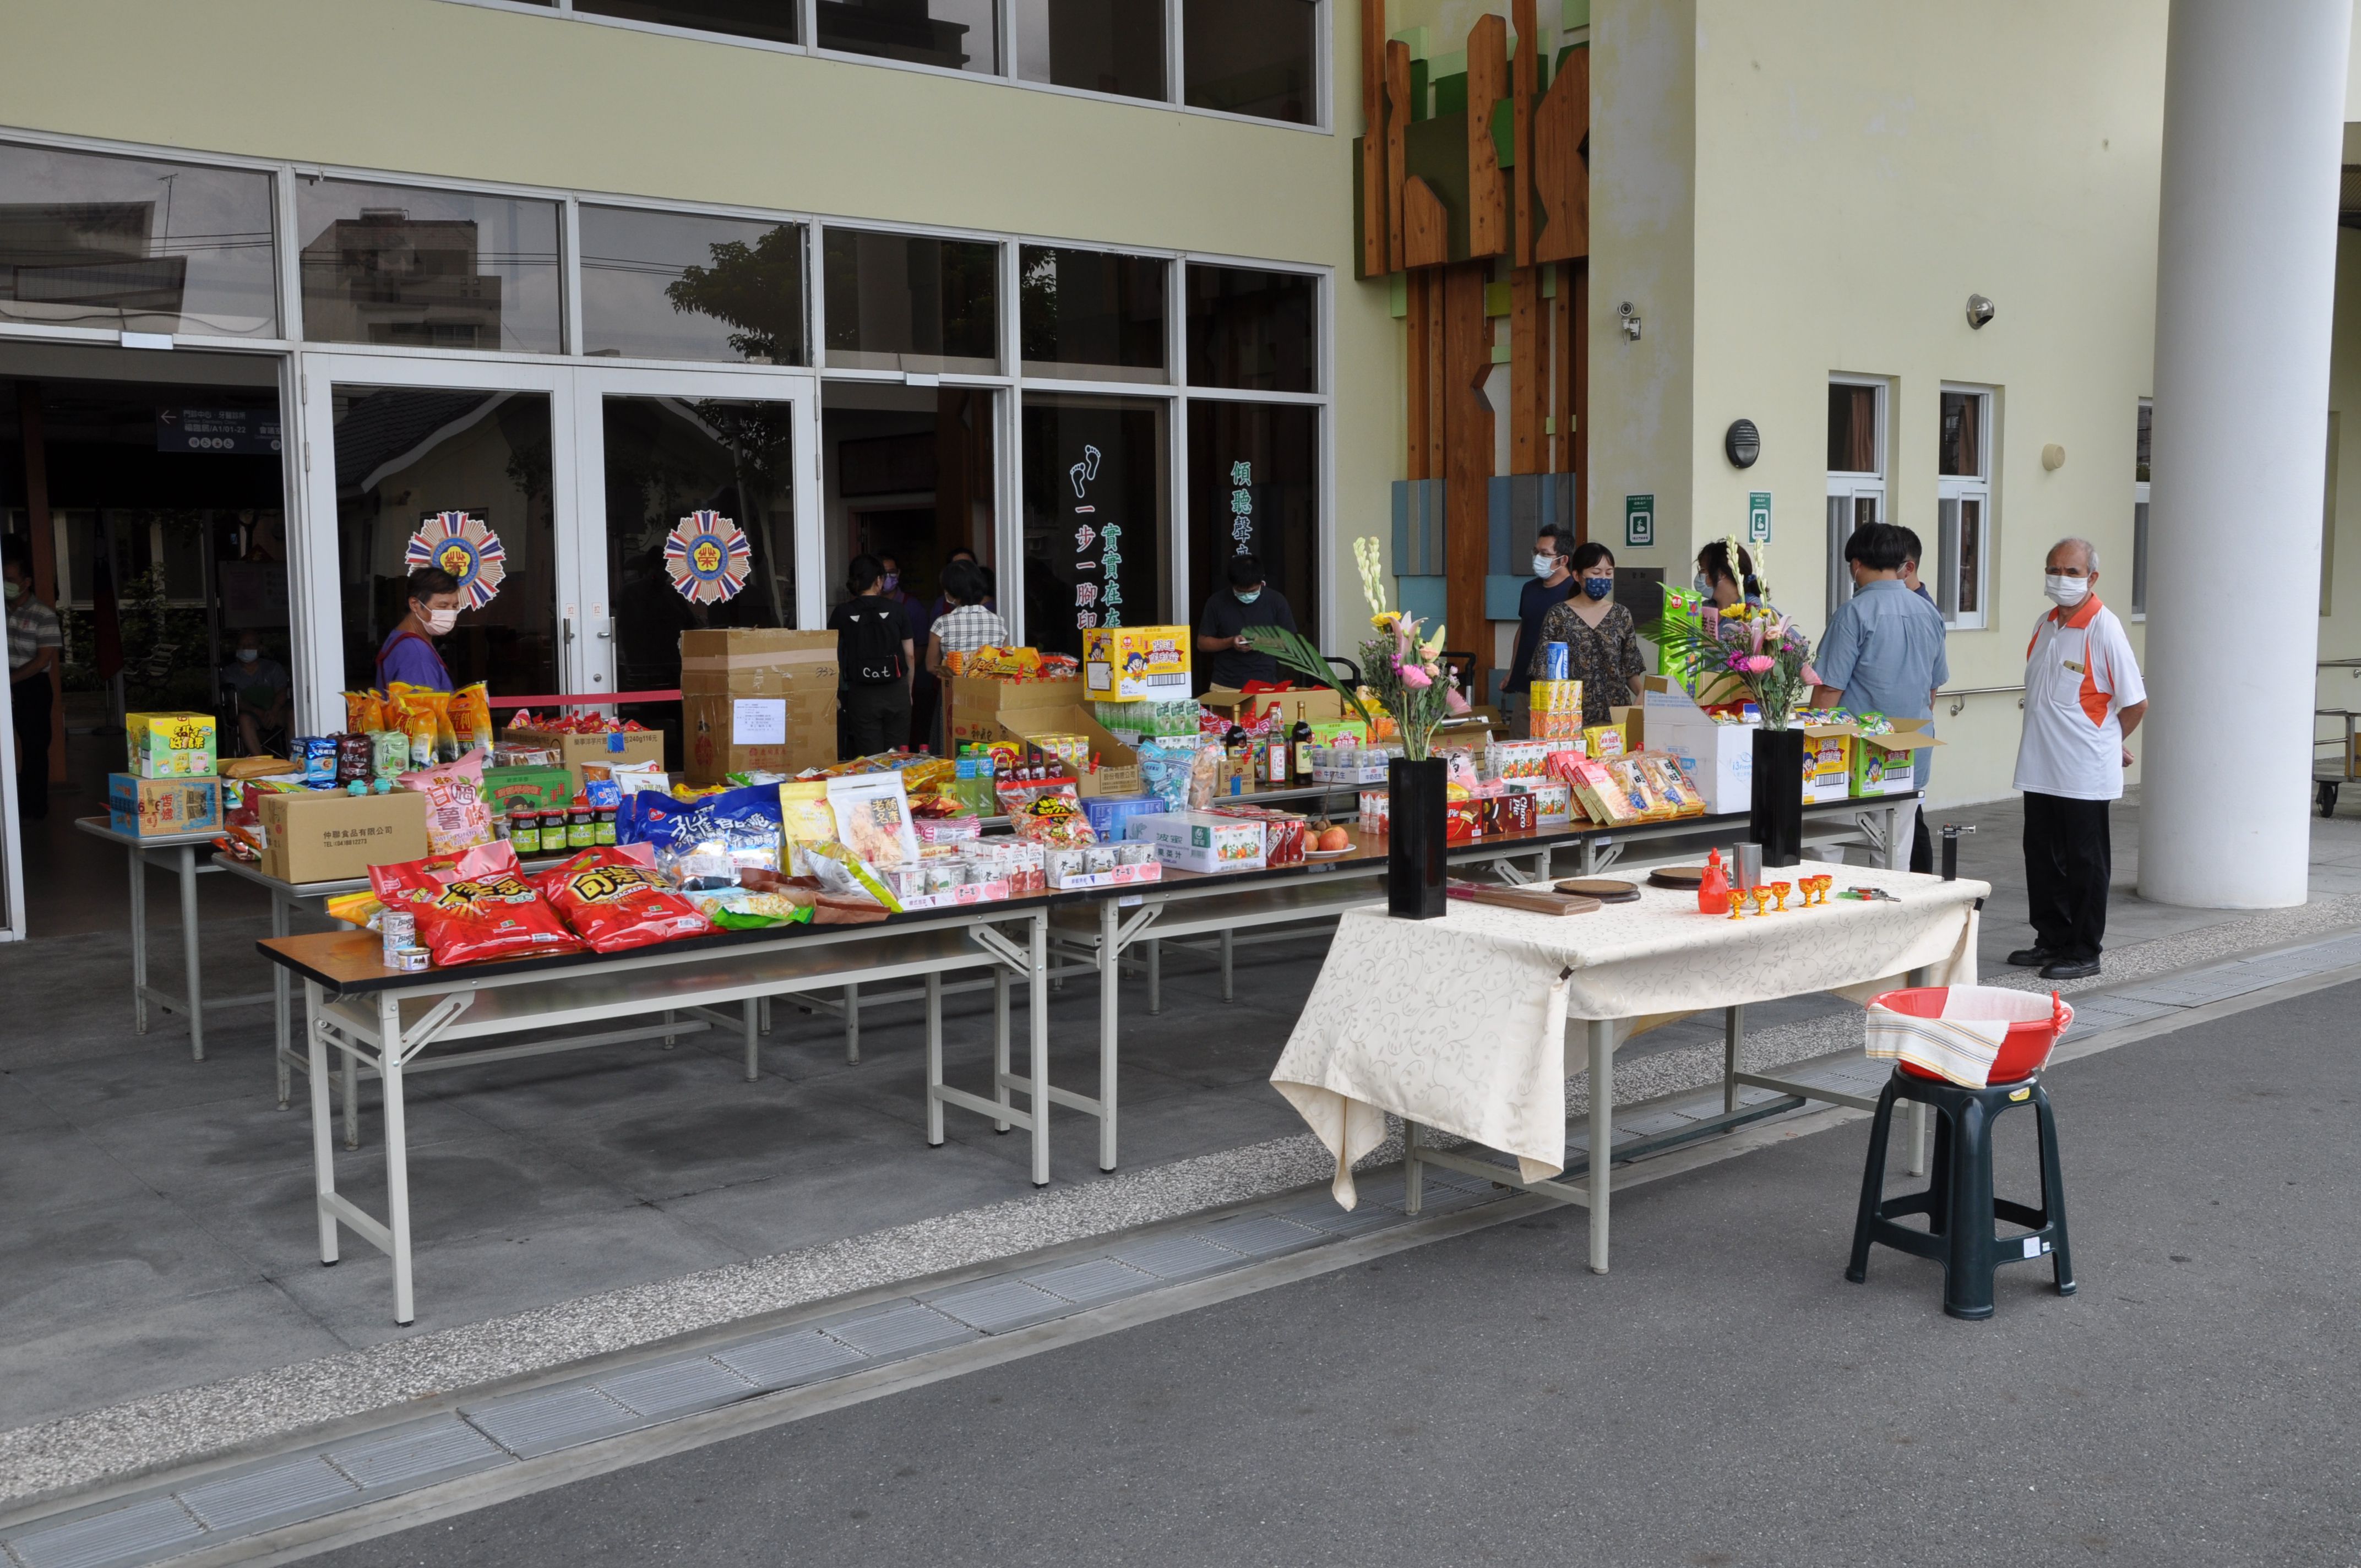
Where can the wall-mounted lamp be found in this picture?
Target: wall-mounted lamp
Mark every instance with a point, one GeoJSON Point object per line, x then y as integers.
{"type": "Point", "coordinates": [1980, 311]}
{"type": "Point", "coordinates": [2053, 458]}
{"type": "Point", "coordinates": [1742, 444]}
{"type": "Point", "coordinates": [1630, 315]}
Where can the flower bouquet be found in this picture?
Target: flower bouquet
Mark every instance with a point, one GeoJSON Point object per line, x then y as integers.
{"type": "Point", "coordinates": [1401, 672]}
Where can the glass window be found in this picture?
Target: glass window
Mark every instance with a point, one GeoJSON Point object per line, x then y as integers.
{"type": "Point", "coordinates": [666, 458]}
{"type": "Point", "coordinates": [1959, 447]}
{"type": "Point", "coordinates": [1253, 331]}
{"type": "Point", "coordinates": [773, 20]}
{"type": "Point", "coordinates": [1251, 57]}
{"type": "Point", "coordinates": [390, 264]}
{"type": "Point", "coordinates": [127, 245]}
{"type": "Point", "coordinates": [1090, 313]}
{"type": "Point", "coordinates": [1853, 428]}
{"type": "Point", "coordinates": [1962, 507]}
{"type": "Point", "coordinates": [2139, 506]}
{"type": "Point", "coordinates": [958, 34]}
{"type": "Point", "coordinates": [406, 454]}
{"type": "Point", "coordinates": [899, 303]}
{"type": "Point", "coordinates": [678, 286]}
{"type": "Point", "coordinates": [1254, 489]}
{"type": "Point", "coordinates": [1097, 526]}
{"type": "Point", "coordinates": [1100, 46]}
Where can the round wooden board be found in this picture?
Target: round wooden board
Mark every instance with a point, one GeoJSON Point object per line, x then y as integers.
{"type": "Point", "coordinates": [1687, 878]}
{"type": "Point", "coordinates": [1606, 890]}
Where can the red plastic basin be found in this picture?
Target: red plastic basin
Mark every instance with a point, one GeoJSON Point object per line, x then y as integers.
{"type": "Point", "coordinates": [2023, 1051]}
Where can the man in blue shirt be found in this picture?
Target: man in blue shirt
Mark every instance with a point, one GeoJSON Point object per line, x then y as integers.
{"type": "Point", "coordinates": [1883, 649]}
{"type": "Point", "coordinates": [1554, 583]}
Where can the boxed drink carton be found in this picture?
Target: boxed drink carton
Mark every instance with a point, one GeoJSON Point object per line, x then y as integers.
{"type": "Point", "coordinates": [150, 806]}
{"type": "Point", "coordinates": [1134, 663]}
{"type": "Point", "coordinates": [1201, 841]}
{"type": "Point", "coordinates": [170, 745]}
{"type": "Point", "coordinates": [1888, 764]}
{"type": "Point", "coordinates": [572, 750]}
{"type": "Point", "coordinates": [756, 698]}
{"type": "Point", "coordinates": [321, 836]}
{"type": "Point", "coordinates": [503, 788]}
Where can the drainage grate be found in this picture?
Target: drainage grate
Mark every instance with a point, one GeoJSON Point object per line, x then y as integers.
{"type": "Point", "coordinates": [287, 1491]}
{"type": "Point", "coordinates": [1175, 1257]}
{"type": "Point", "coordinates": [677, 1388]}
{"type": "Point", "coordinates": [996, 1306]}
{"type": "Point", "coordinates": [784, 1360]}
{"type": "Point", "coordinates": [1261, 1235]}
{"type": "Point", "coordinates": [1100, 1279]}
{"type": "Point", "coordinates": [901, 1329]}
{"type": "Point", "coordinates": [554, 1419]}
{"type": "Point", "coordinates": [142, 1531]}
{"type": "Point", "coordinates": [1328, 1218]}
{"type": "Point", "coordinates": [417, 1455]}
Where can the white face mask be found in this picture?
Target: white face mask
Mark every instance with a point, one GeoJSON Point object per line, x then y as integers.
{"type": "Point", "coordinates": [1544, 565]}
{"type": "Point", "coordinates": [439, 623]}
{"type": "Point", "coordinates": [2065, 592]}
{"type": "Point", "coordinates": [249, 656]}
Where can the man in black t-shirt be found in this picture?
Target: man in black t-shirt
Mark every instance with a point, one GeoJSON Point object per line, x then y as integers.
{"type": "Point", "coordinates": [1247, 601]}
{"type": "Point", "coordinates": [873, 655]}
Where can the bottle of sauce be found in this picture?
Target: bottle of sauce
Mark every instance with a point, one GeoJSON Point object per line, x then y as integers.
{"type": "Point", "coordinates": [1277, 762]}
{"type": "Point", "coordinates": [524, 829]}
{"type": "Point", "coordinates": [1713, 892]}
{"type": "Point", "coordinates": [580, 831]}
{"type": "Point", "coordinates": [1300, 737]}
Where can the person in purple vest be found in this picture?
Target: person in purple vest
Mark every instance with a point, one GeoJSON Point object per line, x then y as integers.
{"type": "Point", "coordinates": [409, 652]}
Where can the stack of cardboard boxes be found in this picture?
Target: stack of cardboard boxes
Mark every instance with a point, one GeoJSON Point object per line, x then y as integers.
{"type": "Point", "coordinates": [172, 786]}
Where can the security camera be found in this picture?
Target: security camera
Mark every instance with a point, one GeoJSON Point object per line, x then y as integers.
{"type": "Point", "coordinates": [1980, 311]}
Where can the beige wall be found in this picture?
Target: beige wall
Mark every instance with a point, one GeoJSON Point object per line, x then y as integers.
{"type": "Point", "coordinates": [431, 88]}
{"type": "Point", "coordinates": [2340, 631]}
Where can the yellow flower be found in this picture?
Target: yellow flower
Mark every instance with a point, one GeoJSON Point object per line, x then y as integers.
{"type": "Point", "coordinates": [1384, 620]}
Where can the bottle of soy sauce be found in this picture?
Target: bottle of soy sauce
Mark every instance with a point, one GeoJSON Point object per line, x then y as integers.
{"type": "Point", "coordinates": [1300, 737]}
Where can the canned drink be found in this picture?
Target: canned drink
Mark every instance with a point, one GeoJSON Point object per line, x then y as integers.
{"type": "Point", "coordinates": [399, 930]}
{"type": "Point", "coordinates": [1553, 660]}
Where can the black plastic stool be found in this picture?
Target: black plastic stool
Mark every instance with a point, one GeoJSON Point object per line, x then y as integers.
{"type": "Point", "coordinates": [1959, 1203]}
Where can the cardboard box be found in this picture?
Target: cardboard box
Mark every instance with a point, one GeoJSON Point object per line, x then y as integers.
{"type": "Point", "coordinates": [170, 745]}
{"type": "Point", "coordinates": [755, 698]}
{"type": "Point", "coordinates": [1135, 663]}
{"type": "Point", "coordinates": [1201, 841]}
{"type": "Point", "coordinates": [1320, 705]}
{"type": "Point", "coordinates": [503, 788]}
{"type": "Point", "coordinates": [150, 806]}
{"type": "Point", "coordinates": [1888, 764]}
{"type": "Point", "coordinates": [1118, 771]}
{"type": "Point", "coordinates": [573, 750]}
{"type": "Point", "coordinates": [977, 703]}
{"type": "Point", "coordinates": [1828, 761]}
{"type": "Point", "coordinates": [323, 836]}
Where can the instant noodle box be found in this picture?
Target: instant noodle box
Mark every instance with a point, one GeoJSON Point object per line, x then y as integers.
{"type": "Point", "coordinates": [1135, 664]}
{"type": "Point", "coordinates": [170, 745]}
{"type": "Point", "coordinates": [144, 808]}
{"type": "Point", "coordinates": [1888, 764]}
{"type": "Point", "coordinates": [1828, 761]}
{"type": "Point", "coordinates": [755, 699]}
{"type": "Point", "coordinates": [319, 835]}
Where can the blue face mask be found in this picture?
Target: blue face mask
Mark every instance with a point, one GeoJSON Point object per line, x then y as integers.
{"type": "Point", "coordinates": [1246, 598]}
{"type": "Point", "coordinates": [1598, 588]}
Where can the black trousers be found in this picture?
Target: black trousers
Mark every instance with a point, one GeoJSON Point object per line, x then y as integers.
{"type": "Point", "coordinates": [29, 702]}
{"type": "Point", "coordinates": [876, 719]}
{"type": "Point", "coordinates": [2068, 861]}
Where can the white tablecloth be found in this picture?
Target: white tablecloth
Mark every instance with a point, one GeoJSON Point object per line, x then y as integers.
{"type": "Point", "coordinates": [1460, 1023]}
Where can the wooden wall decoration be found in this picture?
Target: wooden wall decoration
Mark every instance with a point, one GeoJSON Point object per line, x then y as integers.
{"type": "Point", "coordinates": [1461, 184]}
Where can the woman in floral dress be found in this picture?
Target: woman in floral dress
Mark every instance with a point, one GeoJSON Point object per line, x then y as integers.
{"type": "Point", "coordinates": [1601, 644]}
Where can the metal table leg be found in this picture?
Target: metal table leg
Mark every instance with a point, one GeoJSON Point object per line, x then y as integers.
{"type": "Point", "coordinates": [397, 1153]}
{"type": "Point", "coordinates": [1601, 1033]}
{"type": "Point", "coordinates": [1000, 979]}
{"type": "Point", "coordinates": [851, 1023]}
{"type": "Point", "coordinates": [1154, 975]}
{"type": "Point", "coordinates": [188, 869]}
{"type": "Point", "coordinates": [279, 1009]}
{"type": "Point", "coordinates": [324, 1154]}
{"type": "Point", "coordinates": [351, 1085]}
{"type": "Point", "coordinates": [1110, 972]}
{"type": "Point", "coordinates": [1733, 1030]}
{"type": "Point", "coordinates": [934, 1057]}
{"type": "Point", "coordinates": [753, 1045]}
{"type": "Point", "coordinates": [1229, 944]}
{"type": "Point", "coordinates": [1414, 1169]}
{"type": "Point", "coordinates": [139, 859]}
{"type": "Point", "coordinates": [1038, 1056]}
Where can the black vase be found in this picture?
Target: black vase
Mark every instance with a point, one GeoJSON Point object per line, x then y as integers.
{"type": "Point", "coordinates": [1417, 821]}
{"type": "Point", "coordinates": [1778, 819]}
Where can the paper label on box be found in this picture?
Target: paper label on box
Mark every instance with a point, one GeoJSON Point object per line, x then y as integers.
{"type": "Point", "coordinates": [758, 721]}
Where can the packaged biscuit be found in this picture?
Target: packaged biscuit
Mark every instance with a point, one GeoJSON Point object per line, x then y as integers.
{"type": "Point", "coordinates": [470, 712]}
{"type": "Point", "coordinates": [614, 899]}
{"type": "Point", "coordinates": [456, 815]}
{"type": "Point", "coordinates": [708, 842]}
{"type": "Point", "coordinates": [364, 711]}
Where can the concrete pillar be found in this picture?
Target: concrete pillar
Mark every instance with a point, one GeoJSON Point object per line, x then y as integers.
{"type": "Point", "coordinates": [2254, 114]}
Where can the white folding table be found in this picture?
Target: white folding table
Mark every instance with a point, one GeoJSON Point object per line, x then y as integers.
{"type": "Point", "coordinates": [188, 857]}
{"type": "Point", "coordinates": [382, 1020]}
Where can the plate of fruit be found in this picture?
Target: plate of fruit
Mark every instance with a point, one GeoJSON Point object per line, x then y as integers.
{"type": "Point", "coordinates": [1326, 841]}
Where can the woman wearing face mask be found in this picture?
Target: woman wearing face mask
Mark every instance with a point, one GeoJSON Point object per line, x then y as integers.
{"type": "Point", "coordinates": [1601, 644]}
{"type": "Point", "coordinates": [1718, 582]}
{"type": "Point", "coordinates": [409, 652]}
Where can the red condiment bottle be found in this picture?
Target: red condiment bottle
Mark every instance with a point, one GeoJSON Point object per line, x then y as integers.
{"type": "Point", "coordinates": [1713, 892]}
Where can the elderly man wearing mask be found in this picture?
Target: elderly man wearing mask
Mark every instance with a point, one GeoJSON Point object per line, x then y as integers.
{"type": "Point", "coordinates": [2083, 697]}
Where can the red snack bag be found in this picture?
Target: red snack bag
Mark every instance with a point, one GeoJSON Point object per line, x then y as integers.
{"type": "Point", "coordinates": [474, 908]}
{"type": "Point", "coordinates": [616, 900]}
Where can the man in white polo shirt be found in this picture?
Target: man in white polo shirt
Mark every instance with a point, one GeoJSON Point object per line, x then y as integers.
{"type": "Point", "coordinates": [2083, 697]}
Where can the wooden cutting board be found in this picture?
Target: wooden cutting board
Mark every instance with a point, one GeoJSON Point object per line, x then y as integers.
{"type": "Point", "coordinates": [1532, 900]}
{"type": "Point", "coordinates": [1686, 878]}
{"type": "Point", "coordinates": [1606, 890]}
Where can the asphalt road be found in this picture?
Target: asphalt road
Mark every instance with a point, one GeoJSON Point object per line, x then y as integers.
{"type": "Point", "coordinates": [1723, 1398]}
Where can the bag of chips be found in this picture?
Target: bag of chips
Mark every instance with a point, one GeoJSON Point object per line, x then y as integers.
{"type": "Point", "coordinates": [805, 817]}
{"type": "Point", "coordinates": [476, 908]}
{"type": "Point", "coordinates": [616, 900]}
{"type": "Point", "coordinates": [704, 844]}
{"type": "Point", "coordinates": [848, 878]}
{"type": "Point", "coordinates": [1047, 813]}
{"type": "Point", "coordinates": [364, 711]}
{"type": "Point", "coordinates": [470, 711]}
{"type": "Point", "coordinates": [456, 815]}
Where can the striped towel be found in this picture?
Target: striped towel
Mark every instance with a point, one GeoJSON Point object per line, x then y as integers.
{"type": "Point", "coordinates": [1961, 1049]}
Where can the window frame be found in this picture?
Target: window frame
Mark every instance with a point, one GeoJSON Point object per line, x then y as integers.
{"type": "Point", "coordinates": [2140, 515]}
{"type": "Point", "coordinates": [1851, 486]}
{"type": "Point", "coordinates": [1954, 488]}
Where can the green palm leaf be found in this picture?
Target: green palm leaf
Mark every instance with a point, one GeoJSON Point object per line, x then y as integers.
{"type": "Point", "coordinates": [1295, 653]}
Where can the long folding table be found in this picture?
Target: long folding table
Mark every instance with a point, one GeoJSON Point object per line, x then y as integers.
{"type": "Point", "coordinates": [382, 1020]}
{"type": "Point", "coordinates": [182, 854]}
